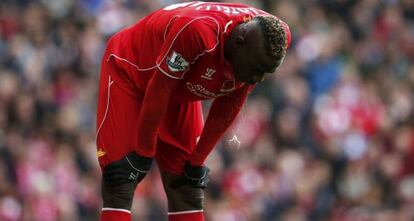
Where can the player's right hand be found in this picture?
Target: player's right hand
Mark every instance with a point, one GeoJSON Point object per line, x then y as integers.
{"type": "Point", "coordinates": [130, 169]}
{"type": "Point", "coordinates": [195, 176]}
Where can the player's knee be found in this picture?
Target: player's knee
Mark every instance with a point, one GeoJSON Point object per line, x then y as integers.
{"type": "Point", "coordinates": [119, 196]}
{"type": "Point", "coordinates": [185, 198]}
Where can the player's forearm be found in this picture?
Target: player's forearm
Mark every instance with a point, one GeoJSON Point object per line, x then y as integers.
{"type": "Point", "coordinates": [222, 113]}
{"type": "Point", "coordinates": [153, 110]}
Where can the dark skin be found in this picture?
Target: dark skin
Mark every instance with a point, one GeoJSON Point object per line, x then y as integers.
{"type": "Point", "coordinates": [245, 50]}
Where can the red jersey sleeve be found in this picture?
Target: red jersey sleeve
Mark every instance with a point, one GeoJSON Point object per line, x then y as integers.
{"type": "Point", "coordinates": [153, 110]}
{"type": "Point", "coordinates": [223, 112]}
{"type": "Point", "coordinates": [186, 39]}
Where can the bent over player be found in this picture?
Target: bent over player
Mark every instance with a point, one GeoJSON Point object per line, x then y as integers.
{"type": "Point", "coordinates": [154, 75]}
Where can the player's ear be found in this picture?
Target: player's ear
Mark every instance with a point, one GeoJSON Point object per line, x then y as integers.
{"type": "Point", "coordinates": [240, 40]}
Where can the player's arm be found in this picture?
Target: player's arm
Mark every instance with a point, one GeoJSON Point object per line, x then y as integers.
{"type": "Point", "coordinates": [154, 108]}
{"type": "Point", "coordinates": [222, 113]}
{"type": "Point", "coordinates": [220, 117]}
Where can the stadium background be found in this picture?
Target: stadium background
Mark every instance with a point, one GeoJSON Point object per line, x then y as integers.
{"type": "Point", "coordinates": [330, 137]}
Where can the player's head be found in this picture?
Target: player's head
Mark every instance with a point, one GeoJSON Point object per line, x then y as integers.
{"type": "Point", "coordinates": [258, 47]}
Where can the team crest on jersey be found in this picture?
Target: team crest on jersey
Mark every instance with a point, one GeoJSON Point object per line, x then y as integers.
{"type": "Point", "coordinates": [176, 62]}
{"type": "Point", "coordinates": [228, 85]}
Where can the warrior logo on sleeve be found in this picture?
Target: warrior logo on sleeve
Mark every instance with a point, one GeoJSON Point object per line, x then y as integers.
{"type": "Point", "coordinates": [176, 62]}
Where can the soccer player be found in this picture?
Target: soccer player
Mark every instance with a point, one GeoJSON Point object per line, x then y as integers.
{"type": "Point", "coordinates": [154, 75]}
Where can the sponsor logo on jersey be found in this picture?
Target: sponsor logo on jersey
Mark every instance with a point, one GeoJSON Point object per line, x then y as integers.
{"type": "Point", "coordinates": [208, 74]}
{"type": "Point", "coordinates": [176, 62]}
{"type": "Point", "coordinates": [200, 91]}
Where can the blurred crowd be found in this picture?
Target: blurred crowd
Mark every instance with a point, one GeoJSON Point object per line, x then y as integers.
{"type": "Point", "coordinates": [329, 137]}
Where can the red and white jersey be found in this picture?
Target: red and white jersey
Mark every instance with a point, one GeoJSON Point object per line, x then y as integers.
{"type": "Point", "coordinates": [184, 41]}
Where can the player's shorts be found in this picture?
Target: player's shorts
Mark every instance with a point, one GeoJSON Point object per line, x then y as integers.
{"type": "Point", "coordinates": [117, 124]}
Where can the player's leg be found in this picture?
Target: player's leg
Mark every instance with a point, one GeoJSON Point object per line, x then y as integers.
{"type": "Point", "coordinates": [185, 203]}
{"type": "Point", "coordinates": [117, 115]}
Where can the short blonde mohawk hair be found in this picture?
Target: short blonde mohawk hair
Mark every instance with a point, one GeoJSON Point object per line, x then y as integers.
{"type": "Point", "coordinates": [274, 34]}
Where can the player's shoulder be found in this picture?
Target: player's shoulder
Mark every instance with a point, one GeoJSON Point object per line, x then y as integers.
{"type": "Point", "coordinates": [203, 29]}
{"type": "Point", "coordinates": [201, 23]}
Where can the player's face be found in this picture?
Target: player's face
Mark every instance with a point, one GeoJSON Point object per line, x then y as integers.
{"type": "Point", "coordinates": [252, 64]}
{"type": "Point", "coordinates": [250, 60]}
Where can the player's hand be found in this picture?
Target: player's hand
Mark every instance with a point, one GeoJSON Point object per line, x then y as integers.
{"type": "Point", "coordinates": [132, 168]}
{"type": "Point", "coordinates": [195, 176]}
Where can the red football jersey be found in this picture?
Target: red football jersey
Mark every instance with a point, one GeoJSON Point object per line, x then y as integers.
{"type": "Point", "coordinates": [184, 41]}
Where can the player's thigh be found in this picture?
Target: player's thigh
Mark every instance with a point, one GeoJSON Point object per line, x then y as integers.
{"type": "Point", "coordinates": [170, 158]}
{"type": "Point", "coordinates": [117, 119]}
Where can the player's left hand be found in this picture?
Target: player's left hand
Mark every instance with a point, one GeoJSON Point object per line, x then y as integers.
{"type": "Point", "coordinates": [195, 176]}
